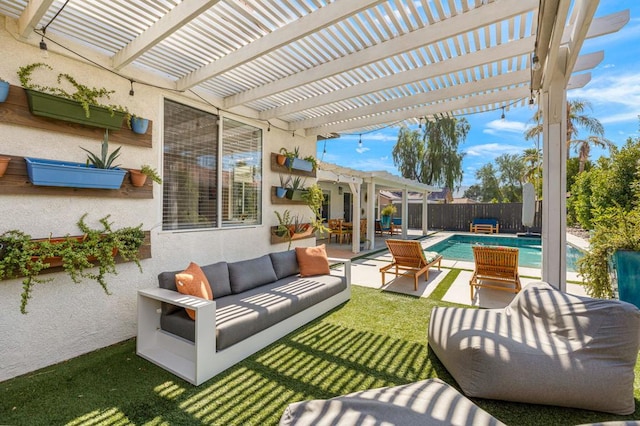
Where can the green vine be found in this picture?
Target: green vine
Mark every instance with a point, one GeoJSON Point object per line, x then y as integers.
{"type": "Point", "coordinates": [22, 256]}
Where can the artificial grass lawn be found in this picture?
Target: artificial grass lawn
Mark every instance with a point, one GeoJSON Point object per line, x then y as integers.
{"type": "Point", "coordinates": [376, 339]}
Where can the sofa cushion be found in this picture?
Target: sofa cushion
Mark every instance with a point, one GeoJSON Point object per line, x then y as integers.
{"type": "Point", "coordinates": [239, 316]}
{"type": "Point", "coordinates": [285, 263]}
{"type": "Point", "coordinates": [248, 274]}
{"type": "Point", "coordinates": [218, 276]}
{"type": "Point", "coordinates": [312, 260]}
{"type": "Point", "coordinates": [168, 280]}
{"type": "Point", "coordinates": [193, 282]}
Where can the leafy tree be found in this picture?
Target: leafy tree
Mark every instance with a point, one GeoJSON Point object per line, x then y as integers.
{"type": "Point", "coordinates": [576, 119]}
{"type": "Point", "coordinates": [511, 168]}
{"type": "Point", "coordinates": [489, 183]}
{"type": "Point", "coordinates": [435, 159]}
{"type": "Point", "coordinates": [408, 153]}
{"type": "Point", "coordinates": [608, 185]}
{"type": "Point", "coordinates": [532, 159]}
{"type": "Point", "coordinates": [474, 192]}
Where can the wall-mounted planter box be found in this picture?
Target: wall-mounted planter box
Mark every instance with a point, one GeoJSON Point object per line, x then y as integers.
{"type": "Point", "coordinates": [295, 194]}
{"type": "Point", "coordinates": [50, 106]}
{"type": "Point", "coordinates": [308, 233]}
{"type": "Point", "coordinates": [71, 174]}
{"type": "Point", "coordinates": [299, 164]}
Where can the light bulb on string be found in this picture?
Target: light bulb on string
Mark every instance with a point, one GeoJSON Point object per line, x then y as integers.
{"type": "Point", "coordinates": [360, 142]}
{"type": "Point", "coordinates": [44, 50]}
{"type": "Point", "coordinates": [502, 117]}
{"type": "Point", "coordinates": [535, 63]}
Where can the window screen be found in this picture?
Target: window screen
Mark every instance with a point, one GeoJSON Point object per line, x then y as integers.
{"type": "Point", "coordinates": [192, 191]}
{"type": "Point", "coordinates": [241, 173]}
{"type": "Point", "coordinates": [190, 168]}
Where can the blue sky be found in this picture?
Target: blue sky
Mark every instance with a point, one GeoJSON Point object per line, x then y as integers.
{"type": "Point", "coordinates": [614, 93]}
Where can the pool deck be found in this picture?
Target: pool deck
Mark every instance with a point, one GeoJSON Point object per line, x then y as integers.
{"type": "Point", "coordinates": [365, 271]}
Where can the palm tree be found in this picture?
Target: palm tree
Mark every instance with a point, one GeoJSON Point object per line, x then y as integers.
{"type": "Point", "coordinates": [533, 168]}
{"type": "Point", "coordinates": [575, 120]}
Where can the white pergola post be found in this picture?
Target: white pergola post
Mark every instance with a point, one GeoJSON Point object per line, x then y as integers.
{"type": "Point", "coordinates": [425, 214]}
{"type": "Point", "coordinates": [372, 199]}
{"type": "Point", "coordinates": [405, 212]}
{"type": "Point", "coordinates": [554, 191]}
{"type": "Point", "coordinates": [355, 216]}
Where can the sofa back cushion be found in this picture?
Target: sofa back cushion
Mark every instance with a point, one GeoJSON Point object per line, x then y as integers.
{"type": "Point", "coordinates": [218, 276]}
{"type": "Point", "coordinates": [248, 274]}
{"type": "Point", "coordinates": [168, 280]}
{"type": "Point", "coordinates": [285, 263]}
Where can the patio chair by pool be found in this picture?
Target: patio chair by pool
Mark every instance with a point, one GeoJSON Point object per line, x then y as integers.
{"type": "Point", "coordinates": [494, 265]}
{"type": "Point", "coordinates": [410, 259]}
{"type": "Point", "coordinates": [545, 347]}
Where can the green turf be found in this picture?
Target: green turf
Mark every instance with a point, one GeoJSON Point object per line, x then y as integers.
{"type": "Point", "coordinates": [376, 339]}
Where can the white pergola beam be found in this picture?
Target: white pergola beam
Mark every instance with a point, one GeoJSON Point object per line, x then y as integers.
{"type": "Point", "coordinates": [457, 104]}
{"type": "Point", "coordinates": [420, 100]}
{"type": "Point", "coordinates": [31, 15]}
{"type": "Point", "coordinates": [585, 10]}
{"type": "Point", "coordinates": [442, 30]}
{"type": "Point", "coordinates": [167, 25]}
{"type": "Point", "coordinates": [603, 25]}
{"type": "Point", "coordinates": [308, 24]}
{"type": "Point", "coordinates": [453, 65]}
{"type": "Point", "coordinates": [579, 80]}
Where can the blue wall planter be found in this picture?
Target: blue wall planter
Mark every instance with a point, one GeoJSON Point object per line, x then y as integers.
{"type": "Point", "coordinates": [627, 264]}
{"type": "Point", "coordinates": [75, 175]}
{"type": "Point", "coordinates": [299, 164]}
{"type": "Point", "coordinates": [4, 91]}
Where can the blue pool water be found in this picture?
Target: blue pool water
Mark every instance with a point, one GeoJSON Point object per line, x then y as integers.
{"type": "Point", "coordinates": [458, 247]}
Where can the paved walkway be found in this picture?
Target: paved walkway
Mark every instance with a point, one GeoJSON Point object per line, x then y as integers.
{"type": "Point", "coordinates": [365, 271]}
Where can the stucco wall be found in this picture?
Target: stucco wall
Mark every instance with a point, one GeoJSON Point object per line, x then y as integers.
{"type": "Point", "coordinates": [66, 319]}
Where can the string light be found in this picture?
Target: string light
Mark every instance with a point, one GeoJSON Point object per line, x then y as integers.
{"type": "Point", "coordinates": [44, 51]}
{"type": "Point", "coordinates": [268, 127]}
{"type": "Point", "coordinates": [420, 123]}
{"type": "Point", "coordinates": [535, 63]}
{"type": "Point", "coordinates": [131, 92]}
{"type": "Point", "coordinates": [502, 116]}
{"type": "Point", "coordinates": [360, 141]}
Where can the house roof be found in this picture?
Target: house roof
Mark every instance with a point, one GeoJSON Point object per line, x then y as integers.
{"type": "Point", "coordinates": [324, 67]}
{"type": "Point", "coordinates": [382, 179]}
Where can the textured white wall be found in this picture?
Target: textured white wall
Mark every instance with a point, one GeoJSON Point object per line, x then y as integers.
{"type": "Point", "coordinates": [66, 319]}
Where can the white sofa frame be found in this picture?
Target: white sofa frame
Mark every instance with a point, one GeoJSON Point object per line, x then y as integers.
{"type": "Point", "coordinates": [198, 361]}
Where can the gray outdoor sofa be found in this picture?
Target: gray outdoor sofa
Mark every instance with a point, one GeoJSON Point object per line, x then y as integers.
{"type": "Point", "coordinates": [545, 347]}
{"type": "Point", "coordinates": [256, 302]}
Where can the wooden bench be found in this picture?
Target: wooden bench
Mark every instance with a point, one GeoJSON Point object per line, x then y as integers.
{"type": "Point", "coordinates": [487, 226]}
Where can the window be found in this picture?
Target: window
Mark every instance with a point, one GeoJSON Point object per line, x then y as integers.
{"type": "Point", "coordinates": [196, 195]}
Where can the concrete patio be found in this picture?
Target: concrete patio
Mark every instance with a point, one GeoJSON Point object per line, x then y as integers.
{"type": "Point", "coordinates": [365, 270]}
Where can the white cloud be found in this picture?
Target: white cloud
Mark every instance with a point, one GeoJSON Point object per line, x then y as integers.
{"type": "Point", "coordinates": [504, 126]}
{"type": "Point", "coordinates": [362, 149]}
{"type": "Point", "coordinates": [493, 150]}
{"type": "Point", "coordinates": [615, 97]}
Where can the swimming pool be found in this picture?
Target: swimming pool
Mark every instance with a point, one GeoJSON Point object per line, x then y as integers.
{"type": "Point", "coordinates": [458, 247]}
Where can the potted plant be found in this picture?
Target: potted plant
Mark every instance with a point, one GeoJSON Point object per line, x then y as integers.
{"type": "Point", "coordinates": [281, 191]}
{"type": "Point", "coordinates": [139, 176]}
{"type": "Point", "coordinates": [613, 259]}
{"type": "Point", "coordinates": [138, 125]}
{"type": "Point", "coordinates": [82, 106]}
{"type": "Point", "coordinates": [314, 198]}
{"type": "Point", "coordinates": [4, 164]}
{"type": "Point", "coordinates": [98, 172]}
{"type": "Point", "coordinates": [295, 188]}
{"type": "Point", "coordinates": [283, 229]}
{"type": "Point", "coordinates": [281, 156]}
{"type": "Point", "coordinates": [22, 256]}
{"type": "Point", "coordinates": [4, 90]}
{"type": "Point", "coordinates": [293, 160]}
{"type": "Point", "coordinates": [385, 215]}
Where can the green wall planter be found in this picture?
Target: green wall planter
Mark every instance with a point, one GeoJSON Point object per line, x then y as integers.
{"type": "Point", "coordinates": [50, 106]}
{"type": "Point", "coordinates": [627, 265]}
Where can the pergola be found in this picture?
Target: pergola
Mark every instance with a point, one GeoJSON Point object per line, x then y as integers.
{"type": "Point", "coordinates": [322, 67]}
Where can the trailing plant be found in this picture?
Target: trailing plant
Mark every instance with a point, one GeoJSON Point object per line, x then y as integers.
{"type": "Point", "coordinates": [105, 161]}
{"type": "Point", "coordinates": [151, 173]}
{"type": "Point", "coordinates": [85, 95]}
{"type": "Point", "coordinates": [312, 160]}
{"type": "Point", "coordinates": [616, 229]}
{"type": "Point", "coordinates": [314, 197]}
{"type": "Point", "coordinates": [22, 256]}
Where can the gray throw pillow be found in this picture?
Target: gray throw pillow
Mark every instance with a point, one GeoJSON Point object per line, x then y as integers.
{"type": "Point", "coordinates": [285, 263]}
{"type": "Point", "coordinates": [248, 274]}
